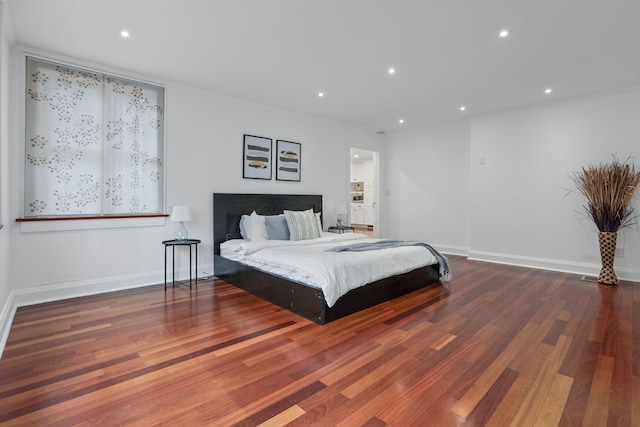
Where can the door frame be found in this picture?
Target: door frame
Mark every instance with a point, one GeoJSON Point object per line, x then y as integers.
{"type": "Point", "coordinates": [376, 183]}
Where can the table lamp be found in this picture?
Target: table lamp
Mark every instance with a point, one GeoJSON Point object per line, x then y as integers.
{"type": "Point", "coordinates": [341, 210]}
{"type": "Point", "coordinates": [181, 214]}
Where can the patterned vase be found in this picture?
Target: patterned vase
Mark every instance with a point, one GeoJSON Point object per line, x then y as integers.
{"type": "Point", "coordinates": [607, 252]}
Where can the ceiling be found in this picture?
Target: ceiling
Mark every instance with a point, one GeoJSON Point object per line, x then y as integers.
{"type": "Point", "coordinates": [446, 53]}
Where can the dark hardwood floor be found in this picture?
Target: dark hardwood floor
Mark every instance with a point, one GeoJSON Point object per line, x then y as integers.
{"type": "Point", "coordinates": [498, 346]}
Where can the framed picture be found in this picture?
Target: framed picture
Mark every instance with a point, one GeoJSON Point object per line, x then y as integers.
{"type": "Point", "coordinates": [288, 163]}
{"type": "Point", "coordinates": [256, 157]}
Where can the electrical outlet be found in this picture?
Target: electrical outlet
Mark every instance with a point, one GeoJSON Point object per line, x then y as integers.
{"type": "Point", "coordinates": [620, 252]}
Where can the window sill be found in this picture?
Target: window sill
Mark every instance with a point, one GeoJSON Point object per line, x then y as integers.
{"type": "Point", "coordinates": [38, 224]}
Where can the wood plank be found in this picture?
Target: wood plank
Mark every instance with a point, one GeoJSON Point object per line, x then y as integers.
{"type": "Point", "coordinates": [472, 397]}
{"type": "Point", "coordinates": [597, 410]}
{"type": "Point", "coordinates": [551, 409]}
{"type": "Point", "coordinates": [512, 401]}
{"type": "Point", "coordinates": [490, 401]}
{"type": "Point", "coordinates": [635, 401]}
{"type": "Point", "coordinates": [542, 386]}
{"type": "Point", "coordinates": [574, 410]}
{"type": "Point", "coordinates": [284, 417]}
{"type": "Point", "coordinates": [283, 405]}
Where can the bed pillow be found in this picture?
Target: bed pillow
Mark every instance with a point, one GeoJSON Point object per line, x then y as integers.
{"type": "Point", "coordinates": [277, 228]}
{"type": "Point", "coordinates": [319, 221]}
{"type": "Point", "coordinates": [245, 227]}
{"type": "Point", "coordinates": [302, 225]}
{"type": "Point", "coordinates": [258, 228]}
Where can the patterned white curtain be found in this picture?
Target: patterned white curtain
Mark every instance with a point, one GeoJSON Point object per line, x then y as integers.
{"type": "Point", "coordinates": [94, 143]}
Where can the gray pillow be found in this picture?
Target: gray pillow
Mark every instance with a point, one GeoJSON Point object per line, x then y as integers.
{"type": "Point", "coordinates": [277, 228]}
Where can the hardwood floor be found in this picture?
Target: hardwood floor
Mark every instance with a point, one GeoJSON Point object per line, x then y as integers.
{"type": "Point", "coordinates": [498, 346]}
{"type": "Point", "coordinates": [363, 229]}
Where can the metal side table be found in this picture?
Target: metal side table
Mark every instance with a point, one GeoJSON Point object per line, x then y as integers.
{"type": "Point", "coordinates": [173, 244]}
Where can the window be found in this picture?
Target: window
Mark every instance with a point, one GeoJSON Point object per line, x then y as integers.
{"type": "Point", "coordinates": [94, 143]}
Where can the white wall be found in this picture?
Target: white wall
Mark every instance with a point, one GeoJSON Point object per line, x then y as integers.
{"type": "Point", "coordinates": [211, 127]}
{"type": "Point", "coordinates": [6, 309]}
{"type": "Point", "coordinates": [426, 193]}
{"type": "Point", "coordinates": [204, 143]}
{"type": "Point", "coordinates": [521, 211]}
{"type": "Point", "coordinates": [518, 208]}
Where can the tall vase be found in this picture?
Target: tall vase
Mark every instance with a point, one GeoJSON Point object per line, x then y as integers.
{"type": "Point", "coordinates": [607, 252]}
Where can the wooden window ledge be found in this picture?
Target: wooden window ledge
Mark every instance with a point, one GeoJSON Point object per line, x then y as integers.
{"type": "Point", "coordinates": [83, 217]}
{"type": "Point", "coordinates": [89, 222]}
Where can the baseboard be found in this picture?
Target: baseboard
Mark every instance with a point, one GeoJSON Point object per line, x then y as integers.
{"type": "Point", "coordinates": [627, 274]}
{"type": "Point", "coordinates": [66, 290]}
{"type": "Point", "coordinates": [452, 250]}
{"type": "Point", "coordinates": [6, 319]}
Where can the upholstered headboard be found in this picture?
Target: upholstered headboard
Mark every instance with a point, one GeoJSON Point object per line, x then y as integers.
{"type": "Point", "coordinates": [229, 207]}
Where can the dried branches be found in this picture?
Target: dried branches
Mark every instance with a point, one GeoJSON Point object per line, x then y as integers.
{"type": "Point", "coordinates": [609, 190]}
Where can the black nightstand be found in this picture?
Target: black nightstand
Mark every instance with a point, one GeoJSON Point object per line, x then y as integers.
{"type": "Point", "coordinates": [340, 229]}
{"type": "Point", "coordinates": [173, 244]}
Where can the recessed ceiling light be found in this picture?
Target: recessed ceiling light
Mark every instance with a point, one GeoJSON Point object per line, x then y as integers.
{"type": "Point", "coordinates": [463, 108]}
{"type": "Point", "coordinates": [548, 90]}
{"type": "Point", "coordinates": [392, 70]}
{"type": "Point", "coordinates": [124, 33]}
{"type": "Point", "coordinates": [503, 33]}
{"type": "Point", "coordinates": [356, 156]}
{"type": "Point", "coordinates": [401, 121]}
{"type": "Point", "coordinates": [320, 94]}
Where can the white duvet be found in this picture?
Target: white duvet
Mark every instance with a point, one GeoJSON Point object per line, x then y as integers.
{"type": "Point", "coordinates": [336, 273]}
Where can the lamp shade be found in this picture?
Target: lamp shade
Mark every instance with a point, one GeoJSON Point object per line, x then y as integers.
{"type": "Point", "coordinates": [181, 213]}
{"type": "Point", "coordinates": [341, 209]}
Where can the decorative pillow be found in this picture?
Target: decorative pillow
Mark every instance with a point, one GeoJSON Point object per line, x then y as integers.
{"type": "Point", "coordinates": [245, 227]}
{"type": "Point", "coordinates": [277, 228]}
{"type": "Point", "coordinates": [302, 225]}
{"type": "Point", "coordinates": [258, 228]}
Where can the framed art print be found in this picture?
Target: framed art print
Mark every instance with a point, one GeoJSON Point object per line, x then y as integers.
{"type": "Point", "coordinates": [256, 157]}
{"type": "Point", "coordinates": [288, 160]}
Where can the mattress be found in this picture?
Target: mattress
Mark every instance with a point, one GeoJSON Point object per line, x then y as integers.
{"type": "Point", "coordinates": [336, 273]}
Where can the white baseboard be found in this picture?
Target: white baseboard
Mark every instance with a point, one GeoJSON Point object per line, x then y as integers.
{"type": "Point", "coordinates": [6, 319]}
{"type": "Point", "coordinates": [587, 269]}
{"type": "Point", "coordinates": [452, 250]}
{"type": "Point", "coordinates": [66, 290]}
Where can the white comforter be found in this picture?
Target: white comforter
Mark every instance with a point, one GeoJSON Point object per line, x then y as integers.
{"type": "Point", "coordinates": [336, 273]}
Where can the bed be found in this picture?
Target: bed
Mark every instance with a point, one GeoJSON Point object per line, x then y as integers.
{"type": "Point", "coordinates": [293, 295]}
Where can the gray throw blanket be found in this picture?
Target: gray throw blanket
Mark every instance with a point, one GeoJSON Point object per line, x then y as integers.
{"type": "Point", "coordinates": [444, 273]}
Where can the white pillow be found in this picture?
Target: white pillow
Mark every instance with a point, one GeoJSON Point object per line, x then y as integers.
{"type": "Point", "coordinates": [245, 227]}
{"type": "Point", "coordinates": [258, 228]}
{"type": "Point", "coordinates": [302, 224]}
{"type": "Point", "coordinates": [319, 222]}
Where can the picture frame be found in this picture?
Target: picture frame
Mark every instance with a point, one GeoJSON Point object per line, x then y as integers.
{"type": "Point", "coordinates": [257, 157]}
{"type": "Point", "coordinates": [288, 160]}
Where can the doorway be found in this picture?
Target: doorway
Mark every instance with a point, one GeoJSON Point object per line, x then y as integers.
{"type": "Point", "coordinates": [364, 191]}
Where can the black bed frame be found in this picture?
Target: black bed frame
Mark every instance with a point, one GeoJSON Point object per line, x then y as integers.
{"type": "Point", "coordinates": [294, 296]}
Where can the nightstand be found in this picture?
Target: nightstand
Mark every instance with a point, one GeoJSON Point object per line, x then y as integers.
{"type": "Point", "coordinates": [340, 229]}
{"type": "Point", "coordinates": [173, 244]}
